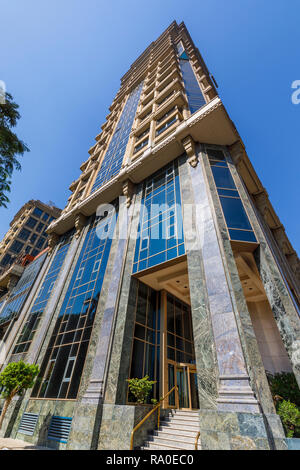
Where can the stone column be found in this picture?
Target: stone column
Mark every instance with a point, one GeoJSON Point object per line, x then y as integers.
{"type": "Point", "coordinates": [234, 391]}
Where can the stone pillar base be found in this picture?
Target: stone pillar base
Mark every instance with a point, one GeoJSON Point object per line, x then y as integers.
{"type": "Point", "coordinates": [118, 422]}
{"type": "Point", "coordinates": [221, 430]}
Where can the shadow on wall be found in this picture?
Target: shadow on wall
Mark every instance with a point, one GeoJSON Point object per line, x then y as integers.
{"type": "Point", "coordinates": [43, 434]}
{"type": "Point", "coordinates": [13, 417]}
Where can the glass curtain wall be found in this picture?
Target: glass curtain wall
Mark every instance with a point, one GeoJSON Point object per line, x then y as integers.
{"type": "Point", "coordinates": [114, 156]}
{"type": "Point", "coordinates": [25, 338]}
{"type": "Point", "coordinates": [192, 88]}
{"type": "Point", "coordinates": [146, 342]}
{"type": "Point", "coordinates": [238, 224]}
{"type": "Point", "coordinates": [19, 293]}
{"type": "Point", "coordinates": [64, 360]}
{"type": "Point", "coordinates": [160, 232]}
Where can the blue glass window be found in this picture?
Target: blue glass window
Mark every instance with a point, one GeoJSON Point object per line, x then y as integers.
{"type": "Point", "coordinates": [40, 243]}
{"type": "Point", "coordinates": [62, 367]}
{"type": "Point", "coordinates": [40, 227]}
{"type": "Point", "coordinates": [16, 246]}
{"type": "Point", "coordinates": [237, 221]}
{"type": "Point", "coordinates": [160, 236]}
{"type": "Point", "coordinates": [33, 238]}
{"type": "Point", "coordinates": [146, 342]}
{"type": "Point", "coordinates": [114, 156]}
{"type": "Point", "coordinates": [19, 293]}
{"type": "Point", "coordinates": [192, 88]}
{"type": "Point", "coordinates": [24, 234]}
{"type": "Point", "coordinates": [38, 212]}
{"type": "Point", "coordinates": [166, 125]}
{"type": "Point", "coordinates": [31, 222]}
{"type": "Point", "coordinates": [6, 259]}
{"type": "Point", "coordinates": [141, 145]}
{"type": "Point", "coordinates": [36, 312]}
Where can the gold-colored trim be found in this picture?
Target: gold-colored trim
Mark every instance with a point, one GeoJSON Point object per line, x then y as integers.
{"type": "Point", "coordinates": [196, 440]}
{"type": "Point", "coordinates": [156, 407]}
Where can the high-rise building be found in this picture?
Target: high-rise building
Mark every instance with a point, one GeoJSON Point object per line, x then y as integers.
{"type": "Point", "coordinates": [169, 262]}
{"type": "Point", "coordinates": [27, 232]}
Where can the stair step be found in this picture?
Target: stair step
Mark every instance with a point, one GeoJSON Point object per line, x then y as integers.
{"type": "Point", "coordinates": [181, 420]}
{"type": "Point", "coordinates": [186, 413]}
{"type": "Point", "coordinates": [171, 443]}
{"type": "Point", "coordinates": [156, 446]}
{"type": "Point", "coordinates": [163, 434]}
{"type": "Point", "coordinates": [178, 432]}
{"type": "Point", "coordinates": [180, 426]}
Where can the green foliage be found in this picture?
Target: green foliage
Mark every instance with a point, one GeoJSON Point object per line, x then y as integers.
{"type": "Point", "coordinates": [154, 401]}
{"type": "Point", "coordinates": [10, 145]}
{"type": "Point", "coordinates": [140, 388]}
{"type": "Point", "coordinates": [290, 417]}
{"type": "Point", "coordinates": [285, 386]}
{"type": "Point", "coordinates": [16, 378]}
{"type": "Point", "coordinates": [286, 396]}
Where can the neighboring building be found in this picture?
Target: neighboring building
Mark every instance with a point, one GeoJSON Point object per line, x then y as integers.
{"type": "Point", "coordinates": [27, 233]}
{"type": "Point", "coordinates": [188, 278]}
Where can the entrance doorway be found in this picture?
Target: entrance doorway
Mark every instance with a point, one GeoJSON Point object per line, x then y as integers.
{"type": "Point", "coordinates": [184, 376]}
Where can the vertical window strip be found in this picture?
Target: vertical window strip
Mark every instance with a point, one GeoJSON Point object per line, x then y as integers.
{"type": "Point", "coordinates": [235, 215]}
{"type": "Point", "coordinates": [146, 341]}
{"type": "Point", "coordinates": [64, 360]}
{"type": "Point", "coordinates": [25, 338]}
{"type": "Point", "coordinates": [192, 88]}
{"type": "Point", "coordinates": [114, 156]}
{"type": "Point", "coordinates": [160, 234]}
{"type": "Point", "coordinates": [13, 307]}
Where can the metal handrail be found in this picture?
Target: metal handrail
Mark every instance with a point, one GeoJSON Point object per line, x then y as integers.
{"type": "Point", "coordinates": [157, 407]}
{"type": "Point", "coordinates": [196, 440]}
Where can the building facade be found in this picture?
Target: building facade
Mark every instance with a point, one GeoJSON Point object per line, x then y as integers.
{"type": "Point", "coordinates": [27, 233]}
{"type": "Point", "coordinates": [168, 261]}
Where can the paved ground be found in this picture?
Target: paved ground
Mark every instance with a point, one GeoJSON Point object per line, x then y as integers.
{"type": "Point", "coordinates": [17, 444]}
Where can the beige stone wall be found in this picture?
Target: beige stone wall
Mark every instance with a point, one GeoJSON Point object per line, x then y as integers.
{"type": "Point", "coordinates": [273, 353]}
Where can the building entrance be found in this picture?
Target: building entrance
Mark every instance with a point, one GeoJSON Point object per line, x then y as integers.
{"type": "Point", "coordinates": [185, 377]}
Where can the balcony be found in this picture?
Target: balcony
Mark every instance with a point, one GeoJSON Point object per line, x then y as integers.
{"type": "Point", "coordinates": [210, 124]}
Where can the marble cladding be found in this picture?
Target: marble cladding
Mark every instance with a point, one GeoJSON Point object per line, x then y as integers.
{"type": "Point", "coordinates": [275, 285]}
{"type": "Point", "coordinates": [250, 347]}
{"type": "Point", "coordinates": [239, 431]}
{"type": "Point", "coordinates": [118, 371]}
{"type": "Point", "coordinates": [118, 422]}
{"type": "Point", "coordinates": [234, 391]}
{"type": "Point", "coordinates": [205, 352]}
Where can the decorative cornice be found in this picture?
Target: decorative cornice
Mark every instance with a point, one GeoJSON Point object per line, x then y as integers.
{"type": "Point", "coordinates": [53, 239]}
{"type": "Point", "coordinates": [128, 191]}
{"type": "Point", "coordinates": [80, 221]}
{"type": "Point", "coordinates": [189, 146]}
{"type": "Point", "coordinates": [206, 113]}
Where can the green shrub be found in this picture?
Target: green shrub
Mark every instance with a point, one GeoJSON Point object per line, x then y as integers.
{"type": "Point", "coordinates": [140, 388]}
{"type": "Point", "coordinates": [16, 378]}
{"type": "Point", "coordinates": [286, 396]}
{"type": "Point", "coordinates": [290, 417]}
{"type": "Point", "coordinates": [285, 386]}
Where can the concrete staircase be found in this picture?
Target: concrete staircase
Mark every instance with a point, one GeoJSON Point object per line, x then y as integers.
{"type": "Point", "coordinates": [177, 432]}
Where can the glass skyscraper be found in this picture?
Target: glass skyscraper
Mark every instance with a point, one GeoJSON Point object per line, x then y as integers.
{"type": "Point", "coordinates": [168, 262]}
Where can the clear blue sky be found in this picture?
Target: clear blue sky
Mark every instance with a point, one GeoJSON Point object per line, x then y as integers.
{"type": "Point", "coordinates": [62, 61]}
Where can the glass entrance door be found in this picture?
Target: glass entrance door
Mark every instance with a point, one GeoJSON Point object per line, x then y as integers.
{"type": "Point", "coordinates": [185, 377]}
